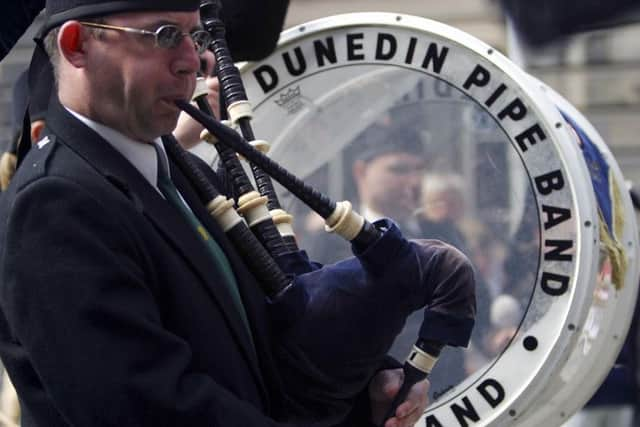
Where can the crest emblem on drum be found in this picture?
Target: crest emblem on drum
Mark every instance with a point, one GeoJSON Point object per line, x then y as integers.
{"type": "Point", "coordinates": [530, 221]}
{"type": "Point", "coordinates": [290, 100]}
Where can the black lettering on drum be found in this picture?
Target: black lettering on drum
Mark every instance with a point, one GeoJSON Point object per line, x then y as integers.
{"type": "Point", "coordinates": [495, 95]}
{"type": "Point", "coordinates": [298, 67]}
{"type": "Point", "coordinates": [491, 391]}
{"type": "Point", "coordinates": [325, 51]}
{"type": "Point", "coordinates": [432, 56]}
{"type": "Point", "coordinates": [432, 421]}
{"type": "Point", "coordinates": [555, 215]}
{"type": "Point", "coordinates": [464, 412]}
{"type": "Point", "coordinates": [531, 135]}
{"type": "Point", "coordinates": [549, 182]}
{"type": "Point", "coordinates": [557, 250]}
{"type": "Point", "coordinates": [411, 50]}
{"type": "Point", "coordinates": [554, 284]}
{"type": "Point", "coordinates": [386, 47]}
{"type": "Point", "coordinates": [354, 47]}
{"type": "Point", "coordinates": [480, 77]}
{"type": "Point", "coordinates": [267, 77]}
{"type": "Point", "coordinates": [516, 111]}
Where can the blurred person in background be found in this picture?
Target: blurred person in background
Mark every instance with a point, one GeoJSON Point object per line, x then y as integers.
{"type": "Point", "coordinates": [387, 165]}
{"type": "Point", "coordinates": [37, 100]}
{"type": "Point", "coordinates": [442, 208]}
{"type": "Point", "coordinates": [388, 169]}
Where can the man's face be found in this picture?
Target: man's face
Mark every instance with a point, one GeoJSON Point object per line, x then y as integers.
{"type": "Point", "coordinates": [390, 183]}
{"type": "Point", "coordinates": [133, 83]}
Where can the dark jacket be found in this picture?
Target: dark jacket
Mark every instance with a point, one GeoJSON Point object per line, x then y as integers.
{"type": "Point", "coordinates": [111, 312]}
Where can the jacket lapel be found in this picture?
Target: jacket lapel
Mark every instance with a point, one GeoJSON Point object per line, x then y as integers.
{"type": "Point", "coordinates": [120, 172]}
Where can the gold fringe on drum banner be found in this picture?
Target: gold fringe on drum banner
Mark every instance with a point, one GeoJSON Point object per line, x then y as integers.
{"type": "Point", "coordinates": [609, 238]}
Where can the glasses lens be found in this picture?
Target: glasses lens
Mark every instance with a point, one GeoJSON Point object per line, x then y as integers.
{"type": "Point", "coordinates": [168, 36]}
{"type": "Point", "coordinates": [201, 39]}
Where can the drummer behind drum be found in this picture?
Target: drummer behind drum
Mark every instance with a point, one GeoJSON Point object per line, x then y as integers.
{"type": "Point", "coordinates": [388, 166]}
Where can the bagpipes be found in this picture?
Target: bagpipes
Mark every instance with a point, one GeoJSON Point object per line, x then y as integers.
{"type": "Point", "coordinates": [335, 322]}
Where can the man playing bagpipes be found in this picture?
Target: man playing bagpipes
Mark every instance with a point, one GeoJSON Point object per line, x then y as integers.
{"type": "Point", "coordinates": [122, 302]}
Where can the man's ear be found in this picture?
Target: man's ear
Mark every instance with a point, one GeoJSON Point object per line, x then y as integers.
{"type": "Point", "coordinates": [71, 44]}
{"type": "Point", "coordinates": [36, 130]}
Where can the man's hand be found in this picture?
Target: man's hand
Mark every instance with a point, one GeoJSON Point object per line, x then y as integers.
{"type": "Point", "coordinates": [383, 389]}
{"type": "Point", "coordinates": [187, 131]}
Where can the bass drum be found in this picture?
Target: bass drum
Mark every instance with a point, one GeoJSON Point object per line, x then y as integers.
{"type": "Point", "coordinates": [418, 121]}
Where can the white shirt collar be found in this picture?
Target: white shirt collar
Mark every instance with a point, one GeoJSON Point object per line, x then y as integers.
{"type": "Point", "coordinates": [140, 154]}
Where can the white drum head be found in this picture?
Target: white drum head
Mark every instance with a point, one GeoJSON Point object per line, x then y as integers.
{"type": "Point", "coordinates": [497, 172]}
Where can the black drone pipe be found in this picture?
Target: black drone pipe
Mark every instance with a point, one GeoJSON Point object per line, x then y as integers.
{"type": "Point", "coordinates": [234, 97]}
{"type": "Point", "coordinates": [261, 264]}
{"type": "Point", "coordinates": [251, 204]}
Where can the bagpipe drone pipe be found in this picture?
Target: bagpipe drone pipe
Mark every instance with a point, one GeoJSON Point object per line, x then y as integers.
{"type": "Point", "coordinates": [337, 322]}
{"type": "Point", "coordinates": [273, 225]}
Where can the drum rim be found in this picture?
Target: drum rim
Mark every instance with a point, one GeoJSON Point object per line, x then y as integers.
{"type": "Point", "coordinates": [584, 201]}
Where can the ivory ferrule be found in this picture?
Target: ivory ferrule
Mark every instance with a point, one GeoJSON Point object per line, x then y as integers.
{"type": "Point", "coordinates": [208, 137]}
{"type": "Point", "coordinates": [344, 221]}
{"type": "Point", "coordinates": [221, 209]}
{"type": "Point", "coordinates": [253, 207]}
{"type": "Point", "coordinates": [421, 360]}
{"type": "Point", "coordinates": [260, 145]}
{"type": "Point", "coordinates": [283, 222]}
{"type": "Point", "coordinates": [240, 110]}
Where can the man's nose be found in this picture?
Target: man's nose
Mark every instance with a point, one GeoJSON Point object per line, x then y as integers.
{"type": "Point", "coordinates": [188, 59]}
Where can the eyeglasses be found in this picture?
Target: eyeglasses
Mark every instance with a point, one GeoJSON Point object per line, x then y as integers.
{"type": "Point", "coordinates": [167, 36]}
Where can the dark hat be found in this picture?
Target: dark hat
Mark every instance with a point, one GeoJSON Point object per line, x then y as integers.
{"type": "Point", "coordinates": [34, 92]}
{"type": "Point", "coordinates": [19, 100]}
{"type": "Point", "coordinates": [380, 139]}
{"type": "Point", "coordinates": [40, 91]}
{"type": "Point", "coordinates": [59, 11]}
